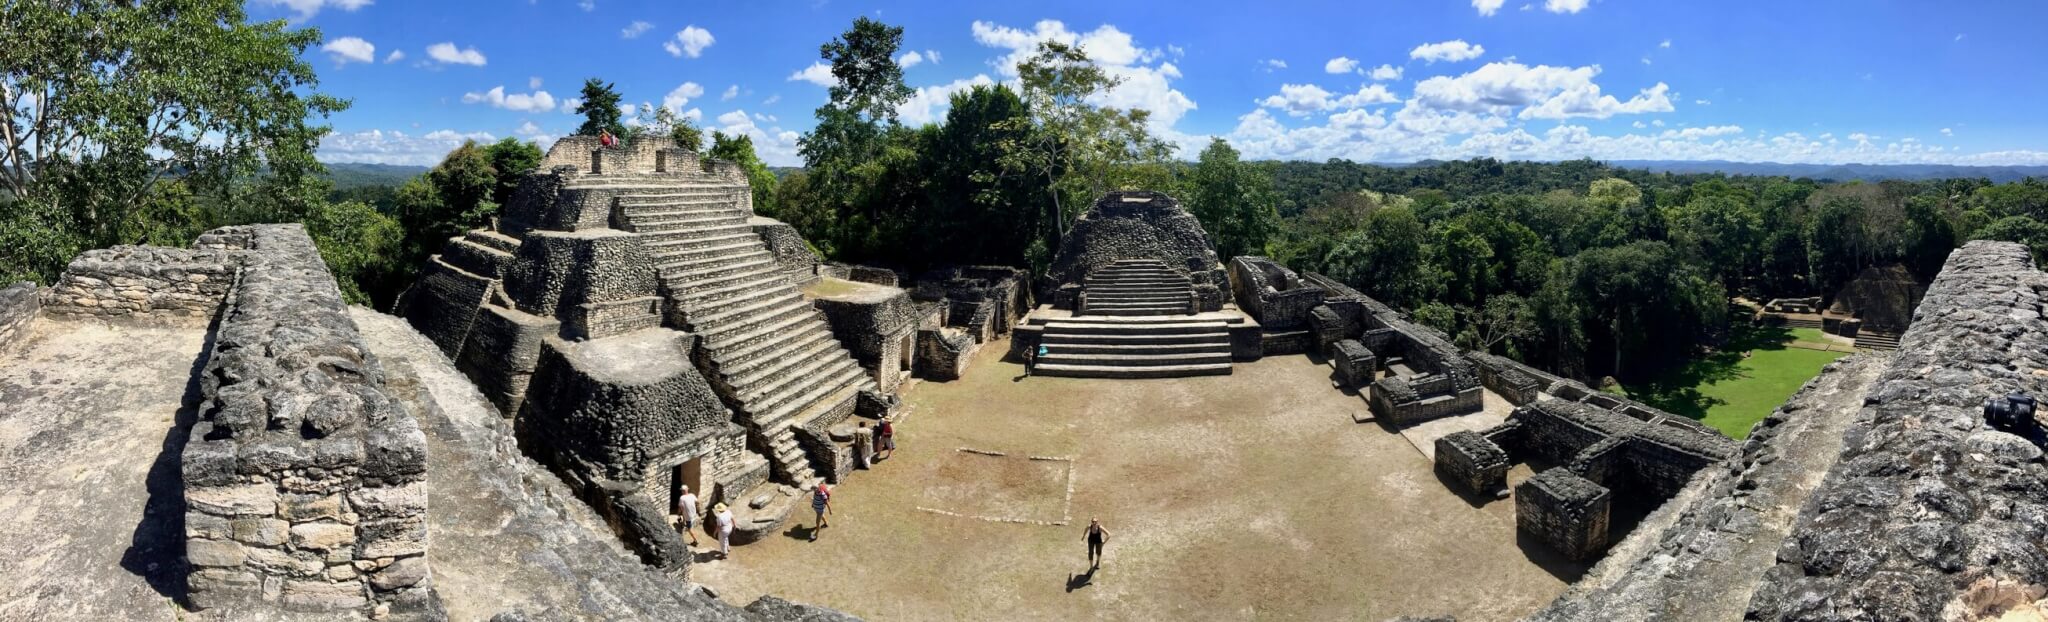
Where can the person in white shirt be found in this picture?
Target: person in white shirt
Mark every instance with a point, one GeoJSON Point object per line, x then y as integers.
{"type": "Point", "coordinates": [724, 530]}
{"type": "Point", "coordinates": [686, 514]}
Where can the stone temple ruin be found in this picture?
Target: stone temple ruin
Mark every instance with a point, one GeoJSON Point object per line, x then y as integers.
{"type": "Point", "coordinates": [632, 325]}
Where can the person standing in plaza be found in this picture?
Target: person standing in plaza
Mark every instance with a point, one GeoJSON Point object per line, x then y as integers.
{"type": "Point", "coordinates": [1096, 536]}
{"type": "Point", "coordinates": [821, 502]}
{"type": "Point", "coordinates": [863, 446]}
{"type": "Point", "coordinates": [885, 439]}
{"type": "Point", "coordinates": [686, 514]}
{"type": "Point", "coordinates": [724, 516]}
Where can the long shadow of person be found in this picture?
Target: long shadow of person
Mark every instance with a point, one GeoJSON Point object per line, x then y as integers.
{"type": "Point", "coordinates": [1078, 581]}
{"type": "Point", "coordinates": [801, 532]}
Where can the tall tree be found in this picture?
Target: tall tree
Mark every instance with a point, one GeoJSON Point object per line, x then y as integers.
{"type": "Point", "coordinates": [105, 100]}
{"type": "Point", "coordinates": [1057, 82]}
{"type": "Point", "coordinates": [739, 149]}
{"type": "Point", "coordinates": [511, 159]}
{"type": "Point", "coordinates": [1233, 200]}
{"type": "Point", "coordinates": [847, 154]}
{"type": "Point", "coordinates": [600, 109]}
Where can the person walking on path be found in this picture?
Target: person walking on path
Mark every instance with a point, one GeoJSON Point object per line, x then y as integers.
{"type": "Point", "coordinates": [724, 517]}
{"type": "Point", "coordinates": [885, 437]}
{"type": "Point", "coordinates": [863, 446]}
{"type": "Point", "coordinates": [821, 502]}
{"type": "Point", "coordinates": [686, 514]}
{"type": "Point", "coordinates": [1031, 362]}
{"type": "Point", "coordinates": [1097, 536]}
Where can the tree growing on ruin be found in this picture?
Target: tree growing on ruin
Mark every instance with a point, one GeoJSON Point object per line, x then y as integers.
{"type": "Point", "coordinates": [848, 154]}
{"type": "Point", "coordinates": [511, 159]}
{"type": "Point", "coordinates": [599, 106]}
{"type": "Point", "coordinates": [1081, 149]}
{"type": "Point", "coordinates": [1233, 200]}
{"type": "Point", "coordinates": [665, 121]}
{"type": "Point", "coordinates": [739, 149]}
{"type": "Point", "coordinates": [106, 101]}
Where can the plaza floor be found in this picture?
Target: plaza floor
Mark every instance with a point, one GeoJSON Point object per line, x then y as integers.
{"type": "Point", "coordinates": [1257, 495]}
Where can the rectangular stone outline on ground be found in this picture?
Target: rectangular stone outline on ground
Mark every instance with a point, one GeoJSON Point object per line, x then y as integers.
{"type": "Point", "coordinates": [1066, 504]}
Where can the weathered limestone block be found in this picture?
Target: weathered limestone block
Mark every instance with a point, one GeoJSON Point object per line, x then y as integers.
{"type": "Point", "coordinates": [1470, 460]}
{"type": "Point", "coordinates": [19, 304]}
{"type": "Point", "coordinates": [1565, 511]}
{"type": "Point", "coordinates": [607, 406]}
{"type": "Point", "coordinates": [1139, 225]}
{"type": "Point", "coordinates": [943, 353]}
{"type": "Point", "coordinates": [144, 282]}
{"type": "Point", "coordinates": [503, 350]}
{"type": "Point", "coordinates": [876, 323]}
{"type": "Point", "coordinates": [443, 303]}
{"type": "Point", "coordinates": [556, 271]}
{"type": "Point", "coordinates": [1356, 365]}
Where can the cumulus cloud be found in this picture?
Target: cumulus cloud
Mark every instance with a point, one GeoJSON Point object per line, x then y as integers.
{"type": "Point", "coordinates": [1340, 65]}
{"type": "Point", "coordinates": [681, 96]}
{"type": "Point", "coordinates": [818, 73]}
{"type": "Point", "coordinates": [395, 56]}
{"type": "Point", "coordinates": [1539, 92]}
{"type": "Point", "coordinates": [1702, 102]}
{"type": "Point", "coordinates": [730, 92]}
{"type": "Point", "coordinates": [635, 29]}
{"type": "Point", "coordinates": [1385, 72]}
{"type": "Point", "coordinates": [1449, 51]}
{"type": "Point", "coordinates": [771, 100]}
{"type": "Point", "coordinates": [1301, 100]}
{"type": "Point", "coordinates": [1487, 7]}
{"type": "Point", "coordinates": [1565, 6]}
{"type": "Point", "coordinates": [928, 104]}
{"type": "Point", "coordinates": [394, 147]}
{"type": "Point", "coordinates": [350, 49]}
{"type": "Point", "coordinates": [569, 105]}
{"type": "Point", "coordinates": [1948, 131]}
{"type": "Point", "coordinates": [537, 101]}
{"type": "Point", "coordinates": [1273, 63]}
{"type": "Point", "coordinates": [910, 59]}
{"type": "Point", "coordinates": [690, 41]}
{"type": "Point", "coordinates": [446, 53]}
{"type": "Point", "coordinates": [1666, 45]}
{"type": "Point", "coordinates": [533, 82]}
{"type": "Point", "coordinates": [306, 9]}
{"type": "Point", "coordinates": [932, 55]}
{"type": "Point", "coordinates": [774, 145]}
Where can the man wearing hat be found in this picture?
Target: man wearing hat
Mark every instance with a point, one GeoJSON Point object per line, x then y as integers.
{"type": "Point", "coordinates": [724, 517]}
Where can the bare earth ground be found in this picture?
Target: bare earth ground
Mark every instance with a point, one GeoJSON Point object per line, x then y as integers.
{"type": "Point", "coordinates": [1250, 496]}
{"type": "Point", "coordinates": [88, 411]}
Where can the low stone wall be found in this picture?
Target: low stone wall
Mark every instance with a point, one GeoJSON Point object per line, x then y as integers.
{"type": "Point", "coordinates": [144, 282]}
{"type": "Point", "coordinates": [1565, 511]}
{"type": "Point", "coordinates": [1355, 364]}
{"type": "Point", "coordinates": [1272, 294]}
{"type": "Point", "coordinates": [304, 478]}
{"type": "Point", "coordinates": [1470, 460]}
{"type": "Point", "coordinates": [794, 256]}
{"type": "Point", "coordinates": [943, 353]}
{"type": "Point", "coordinates": [18, 306]}
{"type": "Point", "coordinates": [1931, 513]}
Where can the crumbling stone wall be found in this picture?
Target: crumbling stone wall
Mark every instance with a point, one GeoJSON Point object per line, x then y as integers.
{"type": "Point", "coordinates": [144, 282]}
{"type": "Point", "coordinates": [304, 479]}
{"type": "Point", "coordinates": [18, 306]}
{"type": "Point", "coordinates": [795, 256]}
{"type": "Point", "coordinates": [1272, 294]}
{"type": "Point", "coordinates": [1931, 513]}
{"type": "Point", "coordinates": [875, 329]}
{"type": "Point", "coordinates": [1138, 225]}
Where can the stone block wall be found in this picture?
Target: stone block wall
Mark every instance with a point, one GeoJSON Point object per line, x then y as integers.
{"type": "Point", "coordinates": [1139, 225]}
{"type": "Point", "coordinates": [19, 304]}
{"type": "Point", "coordinates": [943, 353]}
{"type": "Point", "coordinates": [304, 478]}
{"type": "Point", "coordinates": [1467, 459]}
{"type": "Point", "coordinates": [792, 254]}
{"type": "Point", "coordinates": [1272, 294]}
{"type": "Point", "coordinates": [1565, 511]}
{"type": "Point", "coordinates": [874, 329]}
{"type": "Point", "coordinates": [141, 282]}
{"type": "Point", "coordinates": [1355, 364]}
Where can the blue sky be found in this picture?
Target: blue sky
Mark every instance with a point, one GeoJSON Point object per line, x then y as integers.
{"type": "Point", "coordinates": [1819, 82]}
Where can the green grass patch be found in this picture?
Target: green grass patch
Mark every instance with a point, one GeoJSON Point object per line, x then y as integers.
{"type": "Point", "coordinates": [1730, 391]}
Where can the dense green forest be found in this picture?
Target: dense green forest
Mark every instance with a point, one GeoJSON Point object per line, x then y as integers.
{"type": "Point", "coordinates": [1580, 267]}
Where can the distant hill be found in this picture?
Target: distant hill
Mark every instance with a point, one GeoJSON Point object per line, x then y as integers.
{"type": "Point", "coordinates": [352, 175]}
{"type": "Point", "coordinates": [1840, 172]}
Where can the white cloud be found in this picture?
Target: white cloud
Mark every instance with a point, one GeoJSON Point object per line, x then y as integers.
{"type": "Point", "coordinates": [395, 56]}
{"type": "Point", "coordinates": [533, 82]}
{"type": "Point", "coordinates": [1385, 72]}
{"type": "Point", "coordinates": [690, 41]}
{"type": "Point", "coordinates": [1301, 100]}
{"type": "Point", "coordinates": [909, 59]}
{"type": "Point", "coordinates": [537, 101]}
{"type": "Point", "coordinates": [1646, 60]}
{"type": "Point", "coordinates": [587, 5]}
{"type": "Point", "coordinates": [350, 49]}
{"type": "Point", "coordinates": [1539, 92]}
{"type": "Point", "coordinates": [1273, 63]}
{"type": "Point", "coordinates": [1959, 36]}
{"type": "Point", "coordinates": [1702, 102]}
{"type": "Point", "coordinates": [928, 104]}
{"type": "Point", "coordinates": [1665, 45]}
{"type": "Point", "coordinates": [569, 105]}
{"type": "Point", "coordinates": [1451, 51]}
{"type": "Point", "coordinates": [1695, 133]}
{"type": "Point", "coordinates": [527, 129]}
{"type": "Point", "coordinates": [1565, 6]}
{"type": "Point", "coordinates": [306, 9]}
{"type": "Point", "coordinates": [681, 96]}
{"type": "Point", "coordinates": [1638, 125]}
{"type": "Point", "coordinates": [771, 100]}
{"type": "Point", "coordinates": [1487, 7]}
{"type": "Point", "coordinates": [1340, 65]}
{"type": "Point", "coordinates": [730, 92]}
{"type": "Point", "coordinates": [932, 55]}
{"type": "Point", "coordinates": [774, 145]}
{"type": "Point", "coordinates": [1948, 131]}
{"type": "Point", "coordinates": [447, 53]}
{"type": "Point", "coordinates": [818, 73]}
{"type": "Point", "coordinates": [634, 30]}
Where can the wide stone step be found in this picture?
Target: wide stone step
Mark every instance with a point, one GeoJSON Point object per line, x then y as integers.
{"type": "Point", "coordinates": [744, 334]}
{"type": "Point", "coordinates": [644, 204]}
{"type": "Point", "coordinates": [645, 216]}
{"type": "Point", "coordinates": [1059, 340]}
{"type": "Point", "coordinates": [1145, 301]}
{"type": "Point", "coordinates": [722, 223]}
{"type": "Point", "coordinates": [703, 297]}
{"type": "Point", "coordinates": [1158, 328]}
{"type": "Point", "coordinates": [1113, 371]}
{"type": "Point", "coordinates": [771, 390]}
{"type": "Point", "coordinates": [787, 355]}
{"type": "Point", "coordinates": [1093, 285]}
{"type": "Point", "coordinates": [694, 240]}
{"type": "Point", "coordinates": [1142, 311]}
{"type": "Point", "coordinates": [708, 261]}
{"type": "Point", "coordinates": [835, 388]}
{"type": "Point", "coordinates": [724, 331]}
{"type": "Point", "coordinates": [739, 244]}
{"type": "Point", "coordinates": [763, 301]}
{"type": "Point", "coordinates": [485, 237]}
{"type": "Point", "coordinates": [1058, 357]}
{"type": "Point", "coordinates": [737, 353]}
{"type": "Point", "coordinates": [687, 273]}
{"type": "Point", "coordinates": [1207, 346]}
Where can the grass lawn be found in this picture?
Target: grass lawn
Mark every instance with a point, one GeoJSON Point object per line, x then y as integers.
{"type": "Point", "coordinates": [1731, 392]}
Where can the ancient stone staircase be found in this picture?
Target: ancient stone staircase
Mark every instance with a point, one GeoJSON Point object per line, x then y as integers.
{"type": "Point", "coordinates": [1135, 347]}
{"type": "Point", "coordinates": [1137, 287]}
{"type": "Point", "coordinates": [770, 351]}
{"type": "Point", "coordinates": [1873, 340]}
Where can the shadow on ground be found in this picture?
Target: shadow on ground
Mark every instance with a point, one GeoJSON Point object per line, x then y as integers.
{"type": "Point", "coordinates": [157, 550]}
{"type": "Point", "coordinates": [1677, 391]}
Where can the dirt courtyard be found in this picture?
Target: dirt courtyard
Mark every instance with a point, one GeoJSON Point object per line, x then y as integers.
{"type": "Point", "coordinates": [1249, 496]}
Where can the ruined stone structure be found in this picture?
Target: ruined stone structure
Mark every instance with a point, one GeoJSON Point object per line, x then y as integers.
{"type": "Point", "coordinates": [650, 332]}
{"type": "Point", "coordinates": [1279, 299]}
{"type": "Point", "coordinates": [961, 308]}
{"type": "Point", "coordinates": [19, 304]}
{"type": "Point", "coordinates": [144, 282]}
{"type": "Point", "coordinates": [1426, 377]}
{"type": "Point", "coordinates": [1137, 292]}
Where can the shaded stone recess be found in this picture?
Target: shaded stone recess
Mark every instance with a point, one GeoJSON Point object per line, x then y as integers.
{"type": "Point", "coordinates": [304, 477]}
{"type": "Point", "coordinates": [1137, 225]}
{"type": "Point", "coordinates": [18, 306]}
{"type": "Point", "coordinates": [144, 282]}
{"type": "Point", "coordinates": [1565, 511]}
{"type": "Point", "coordinates": [984, 301]}
{"type": "Point", "coordinates": [1433, 380]}
{"type": "Point", "coordinates": [1930, 513]}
